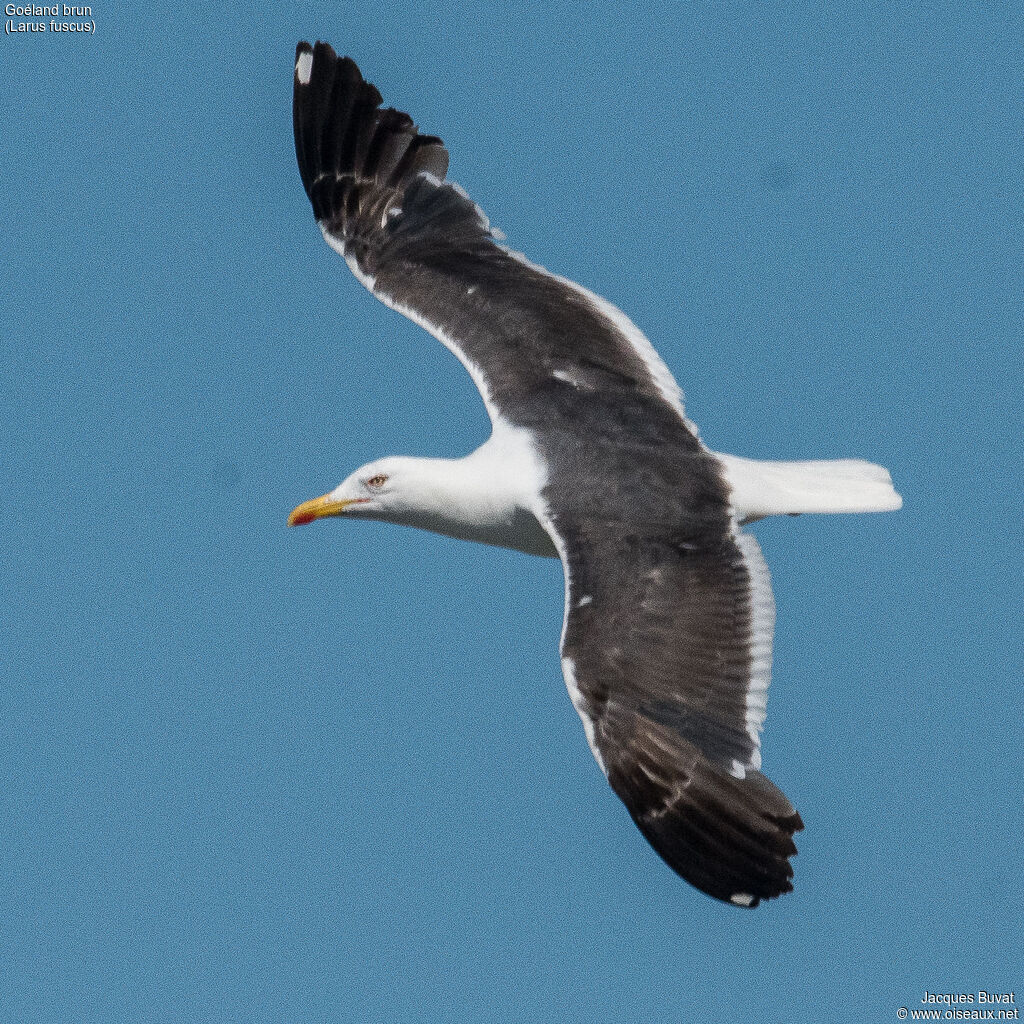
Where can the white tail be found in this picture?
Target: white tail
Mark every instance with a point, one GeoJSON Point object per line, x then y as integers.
{"type": "Point", "coordinates": [762, 489]}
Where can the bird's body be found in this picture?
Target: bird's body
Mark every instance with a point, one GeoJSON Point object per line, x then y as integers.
{"type": "Point", "coordinates": [666, 641]}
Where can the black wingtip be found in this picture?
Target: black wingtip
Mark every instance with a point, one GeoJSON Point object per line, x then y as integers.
{"type": "Point", "coordinates": [730, 837]}
{"type": "Point", "coordinates": [342, 132]}
{"type": "Point", "coordinates": [371, 177]}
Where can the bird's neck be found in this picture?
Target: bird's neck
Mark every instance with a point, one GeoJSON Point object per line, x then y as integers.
{"type": "Point", "coordinates": [489, 496]}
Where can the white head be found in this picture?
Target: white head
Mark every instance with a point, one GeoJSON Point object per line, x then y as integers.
{"type": "Point", "coordinates": [392, 489]}
{"type": "Point", "coordinates": [483, 497]}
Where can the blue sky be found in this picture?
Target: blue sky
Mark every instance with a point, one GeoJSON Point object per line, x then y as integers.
{"type": "Point", "coordinates": [332, 774]}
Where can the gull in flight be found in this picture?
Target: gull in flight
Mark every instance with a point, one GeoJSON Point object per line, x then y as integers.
{"type": "Point", "coordinates": [667, 637]}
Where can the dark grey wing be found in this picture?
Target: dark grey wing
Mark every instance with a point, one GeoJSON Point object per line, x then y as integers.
{"type": "Point", "coordinates": [425, 249]}
{"type": "Point", "coordinates": [666, 652]}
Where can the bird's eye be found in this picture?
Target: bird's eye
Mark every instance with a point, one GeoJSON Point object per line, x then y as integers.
{"type": "Point", "coordinates": [377, 481]}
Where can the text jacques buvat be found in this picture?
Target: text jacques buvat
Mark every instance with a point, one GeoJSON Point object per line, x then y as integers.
{"type": "Point", "coordinates": [48, 18]}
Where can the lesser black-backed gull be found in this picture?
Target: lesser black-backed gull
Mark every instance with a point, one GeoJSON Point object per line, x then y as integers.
{"type": "Point", "coordinates": [667, 636]}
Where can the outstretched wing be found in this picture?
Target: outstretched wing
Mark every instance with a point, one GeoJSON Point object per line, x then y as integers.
{"type": "Point", "coordinates": [424, 248]}
{"type": "Point", "coordinates": [666, 652]}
